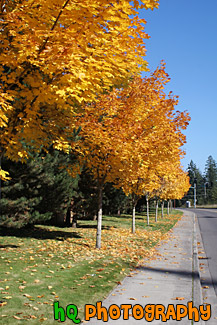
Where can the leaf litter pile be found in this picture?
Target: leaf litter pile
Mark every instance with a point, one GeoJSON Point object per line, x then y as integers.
{"type": "Point", "coordinates": [46, 264]}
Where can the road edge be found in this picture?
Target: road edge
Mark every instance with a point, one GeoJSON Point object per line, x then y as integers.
{"type": "Point", "coordinates": [197, 296]}
{"type": "Point", "coordinates": [207, 292]}
{"type": "Point", "coordinates": [197, 288]}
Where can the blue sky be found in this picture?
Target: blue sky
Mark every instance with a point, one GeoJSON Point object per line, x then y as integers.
{"type": "Point", "coordinates": [184, 35]}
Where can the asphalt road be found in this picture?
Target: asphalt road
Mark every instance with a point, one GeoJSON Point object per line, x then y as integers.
{"type": "Point", "coordinates": [207, 220]}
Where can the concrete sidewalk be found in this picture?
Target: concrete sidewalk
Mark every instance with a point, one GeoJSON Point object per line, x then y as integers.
{"type": "Point", "coordinates": [171, 278]}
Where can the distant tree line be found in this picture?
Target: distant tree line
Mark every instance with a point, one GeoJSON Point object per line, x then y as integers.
{"type": "Point", "coordinates": [206, 183]}
{"type": "Point", "coordinates": [43, 191]}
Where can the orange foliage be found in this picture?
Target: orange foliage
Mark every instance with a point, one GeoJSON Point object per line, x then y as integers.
{"type": "Point", "coordinates": [56, 55]}
{"type": "Point", "coordinates": [133, 135]}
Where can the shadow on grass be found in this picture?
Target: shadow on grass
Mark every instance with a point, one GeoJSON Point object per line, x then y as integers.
{"type": "Point", "coordinates": [37, 233]}
{"type": "Point", "coordinates": [93, 226]}
{"type": "Point", "coordinates": [9, 246]}
{"type": "Point", "coordinates": [43, 233]}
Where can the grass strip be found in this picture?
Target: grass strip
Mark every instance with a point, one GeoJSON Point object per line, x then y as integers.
{"type": "Point", "coordinates": [45, 264]}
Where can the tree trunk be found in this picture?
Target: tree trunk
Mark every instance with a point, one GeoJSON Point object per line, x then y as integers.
{"type": "Point", "coordinates": [71, 217]}
{"type": "Point", "coordinates": [147, 209]}
{"type": "Point", "coordinates": [162, 209]}
{"type": "Point", "coordinates": [156, 210]}
{"type": "Point", "coordinates": [134, 219]}
{"type": "Point", "coordinates": [59, 220]}
{"type": "Point", "coordinates": [74, 220]}
{"type": "Point", "coordinates": [168, 207]}
{"type": "Point", "coordinates": [99, 220]}
{"type": "Point", "coordinates": [68, 217]}
{"type": "Point", "coordinates": [171, 205]}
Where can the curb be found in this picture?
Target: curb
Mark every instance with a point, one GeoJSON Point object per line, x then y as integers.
{"type": "Point", "coordinates": [197, 289]}
{"type": "Point", "coordinates": [197, 296]}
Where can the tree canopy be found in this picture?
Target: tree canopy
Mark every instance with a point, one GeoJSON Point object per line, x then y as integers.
{"type": "Point", "coordinates": [56, 55]}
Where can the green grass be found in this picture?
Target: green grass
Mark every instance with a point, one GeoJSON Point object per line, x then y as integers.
{"type": "Point", "coordinates": [46, 264]}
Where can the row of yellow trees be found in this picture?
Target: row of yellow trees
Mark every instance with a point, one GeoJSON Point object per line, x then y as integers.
{"type": "Point", "coordinates": [132, 137]}
{"type": "Point", "coordinates": [67, 65]}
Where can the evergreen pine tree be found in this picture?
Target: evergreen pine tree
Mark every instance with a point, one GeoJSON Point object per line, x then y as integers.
{"type": "Point", "coordinates": [197, 178]}
{"type": "Point", "coordinates": [211, 179]}
{"type": "Point", "coordinates": [39, 190]}
{"type": "Point", "coordinates": [114, 200]}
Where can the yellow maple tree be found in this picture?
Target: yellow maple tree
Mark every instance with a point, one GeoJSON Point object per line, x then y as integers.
{"type": "Point", "coordinates": [57, 55]}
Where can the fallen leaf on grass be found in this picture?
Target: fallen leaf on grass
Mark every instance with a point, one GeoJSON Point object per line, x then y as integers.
{"type": "Point", "coordinates": [27, 295]}
{"type": "Point", "coordinates": [3, 303]}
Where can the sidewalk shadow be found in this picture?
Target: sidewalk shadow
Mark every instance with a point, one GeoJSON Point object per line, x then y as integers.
{"type": "Point", "coordinates": [166, 271]}
{"type": "Point", "coordinates": [183, 273]}
{"type": "Point", "coordinates": [206, 217]}
{"type": "Point", "coordinates": [206, 282]}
